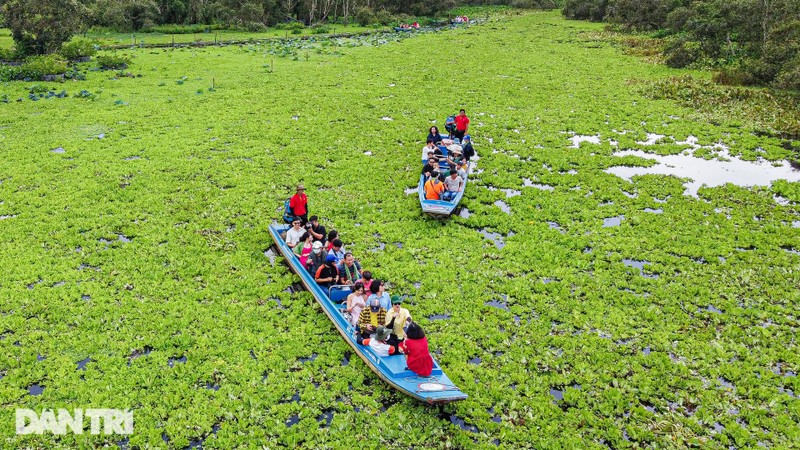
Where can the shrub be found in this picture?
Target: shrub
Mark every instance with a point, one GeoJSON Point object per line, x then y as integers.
{"type": "Point", "coordinates": [594, 10]}
{"type": "Point", "coordinates": [8, 54]}
{"type": "Point", "coordinates": [320, 29]}
{"type": "Point", "coordinates": [78, 48]}
{"type": "Point", "coordinates": [382, 17]}
{"type": "Point", "coordinates": [9, 73]}
{"type": "Point", "coordinates": [365, 16]}
{"type": "Point", "coordinates": [113, 62]}
{"type": "Point", "coordinates": [40, 66]}
{"type": "Point", "coordinates": [733, 76]}
{"type": "Point", "coordinates": [789, 77]}
{"type": "Point", "coordinates": [682, 53]}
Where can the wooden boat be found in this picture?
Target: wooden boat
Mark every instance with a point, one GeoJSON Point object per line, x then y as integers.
{"type": "Point", "coordinates": [435, 389]}
{"type": "Point", "coordinates": [439, 209]}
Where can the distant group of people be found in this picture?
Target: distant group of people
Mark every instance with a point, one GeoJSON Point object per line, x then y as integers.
{"type": "Point", "coordinates": [414, 25]}
{"type": "Point", "coordinates": [461, 19]}
{"type": "Point", "coordinates": [444, 176]}
{"type": "Point", "coordinates": [380, 320]}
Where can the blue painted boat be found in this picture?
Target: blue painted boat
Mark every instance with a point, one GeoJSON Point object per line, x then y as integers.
{"type": "Point", "coordinates": [439, 209]}
{"type": "Point", "coordinates": [435, 389]}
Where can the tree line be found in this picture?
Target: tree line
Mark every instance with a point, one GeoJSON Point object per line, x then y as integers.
{"type": "Point", "coordinates": [41, 26]}
{"type": "Point", "coordinates": [750, 42]}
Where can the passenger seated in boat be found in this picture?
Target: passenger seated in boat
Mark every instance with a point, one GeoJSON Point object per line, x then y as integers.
{"type": "Point", "coordinates": [434, 187]}
{"type": "Point", "coordinates": [295, 233]}
{"type": "Point", "coordinates": [366, 278]}
{"type": "Point", "coordinates": [428, 149]}
{"type": "Point", "coordinates": [469, 151]}
{"type": "Point", "coordinates": [434, 136]}
{"type": "Point", "coordinates": [455, 146]}
{"type": "Point", "coordinates": [333, 234]}
{"type": "Point", "coordinates": [378, 289]}
{"type": "Point", "coordinates": [370, 319]}
{"type": "Point", "coordinates": [337, 250]}
{"type": "Point", "coordinates": [397, 318]}
{"type": "Point", "coordinates": [349, 270]}
{"type": "Point", "coordinates": [455, 157]}
{"type": "Point", "coordinates": [316, 258]}
{"type": "Point", "coordinates": [439, 155]}
{"type": "Point", "coordinates": [304, 248]}
{"type": "Point", "coordinates": [431, 167]}
{"type": "Point", "coordinates": [327, 274]}
{"type": "Point", "coordinates": [356, 302]}
{"type": "Point", "coordinates": [378, 342]}
{"type": "Point", "coordinates": [317, 231]}
{"type": "Point", "coordinates": [453, 185]}
{"type": "Point", "coordinates": [415, 347]}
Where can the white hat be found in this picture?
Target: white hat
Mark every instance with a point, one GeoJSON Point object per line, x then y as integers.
{"type": "Point", "coordinates": [317, 244]}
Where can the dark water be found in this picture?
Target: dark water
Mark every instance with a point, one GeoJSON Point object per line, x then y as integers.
{"type": "Point", "coordinates": [476, 360]}
{"type": "Point", "coordinates": [35, 389]}
{"type": "Point", "coordinates": [326, 417]}
{"type": "Point", "coordinates": [82, 363]}
{"type": "Point", "coordinates": [293, 420]}
{"type": "Point", "coordinates": [171, 362]}
{"type": "Point", "coordinates": [310, 358]}
{"type": "Point", "coordinates": [439, 317]}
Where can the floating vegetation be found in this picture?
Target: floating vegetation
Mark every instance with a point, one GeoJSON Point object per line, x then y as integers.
{"type": "Point", "coordinates": [174, 300]}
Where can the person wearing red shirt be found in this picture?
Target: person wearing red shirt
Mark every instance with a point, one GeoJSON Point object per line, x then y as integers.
{"type": "Point", "coordinates": [299, 204]}
{"type": "Point", "coordinates": [415, 347]}
{"type": "Point", "coordinates": [462, 123]}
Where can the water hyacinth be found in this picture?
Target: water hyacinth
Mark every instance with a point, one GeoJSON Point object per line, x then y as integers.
{"type": "Point", "coordinates": [194, 324]}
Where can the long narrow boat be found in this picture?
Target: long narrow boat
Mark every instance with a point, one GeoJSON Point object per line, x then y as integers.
{"type": "Point", "coordinates": [435, 389]}
{"type": "Point", "coordinates": [439, 209]}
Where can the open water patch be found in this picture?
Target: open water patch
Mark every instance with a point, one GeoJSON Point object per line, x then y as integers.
{"type": "Point", "coordinates": [35, 389]}
{"type": "Point", "coordinates": [527, 182]}
{"type": "Point", "coordinates": [411, 191]}
{"type": "Point", "coordinates": [496, 238]}
{"type": "Point", "coordinates": [497, 304]}
{"type": "Point", "coordinates": [171, 362]}
{"type": "Point", "coordinates": [503, 206]}
{"type": "Point", "coordinates": [269, 253]}
{"type": "Point", "coordinates": [652, 139]}
{"type": "Point", "coordinates": [612, 221]}
{"type": "Point", "coordinates": [464, 213]}
{"type": "Point", "coordinates": [82, 364]}
{"type": "Point", "coordinates": [578, 138]}
{"type": "Point", "coordinates": [639, 264]}
{"type": "Point", "coordinates": [710, 173]}
{"type": "Point", "coordinates": [654, 211]}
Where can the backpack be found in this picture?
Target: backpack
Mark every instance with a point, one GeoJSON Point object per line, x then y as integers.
{"type": "Point", "coordinates": [288, 214]}
{"type": "Point", "coordinates": [450, 124]}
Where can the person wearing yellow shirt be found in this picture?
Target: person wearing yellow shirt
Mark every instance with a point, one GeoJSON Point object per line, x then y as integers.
{"type": "Point", "coordinates": [397, 318]}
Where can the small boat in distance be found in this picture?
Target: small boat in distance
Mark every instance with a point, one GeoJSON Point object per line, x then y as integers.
{"type": "Point", "coordinates": [435, 389]}
{"type": "Point", "coordinates": [439, 209]}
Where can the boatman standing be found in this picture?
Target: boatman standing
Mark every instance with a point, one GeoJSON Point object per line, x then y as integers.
{"type": "Point", "coordinates": [462, 123]}
{"type": "Point", "coordinates": [299, 204]}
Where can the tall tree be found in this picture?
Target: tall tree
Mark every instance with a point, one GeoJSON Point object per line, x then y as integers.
{"type": "Point", "coordinates": [41, 26]}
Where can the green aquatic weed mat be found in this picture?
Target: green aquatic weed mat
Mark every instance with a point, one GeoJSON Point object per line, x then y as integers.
{"type": "Point", "coordinates": [134, 234]}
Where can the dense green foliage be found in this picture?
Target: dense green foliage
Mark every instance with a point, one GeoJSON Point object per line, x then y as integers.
{"type": "Point", "coordinates": [754, 41]}
{"type": "Point", "coordinates": [41, 26]}
{"type": "Point", "coordinates": [133, 217]}
{"type": "Point", "coordinates": [78, 48]}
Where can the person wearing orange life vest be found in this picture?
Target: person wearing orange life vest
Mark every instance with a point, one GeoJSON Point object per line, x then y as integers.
{"type": "Point", "coordinates": [434, 187]}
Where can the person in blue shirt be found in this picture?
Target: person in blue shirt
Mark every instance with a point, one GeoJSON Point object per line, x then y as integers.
{"type": "Point", "coordinates": [433, 135]}
{"type": "Point", "coordinates": [379, 292]}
